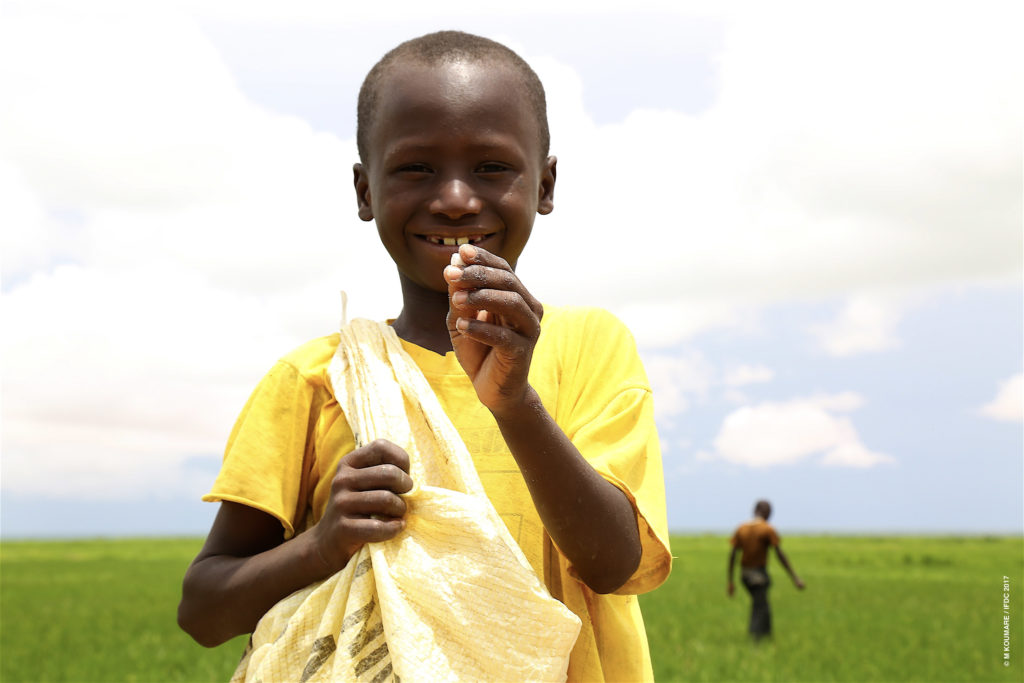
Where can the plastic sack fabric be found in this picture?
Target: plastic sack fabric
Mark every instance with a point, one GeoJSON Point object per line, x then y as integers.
{"type": "Point", "coordinates": [451, 597]}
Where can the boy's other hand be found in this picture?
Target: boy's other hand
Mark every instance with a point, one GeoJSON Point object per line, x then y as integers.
{"type": "Point", "coordinates": [365, 505]}
{"type": "Point", "coordinates": [494, 323]}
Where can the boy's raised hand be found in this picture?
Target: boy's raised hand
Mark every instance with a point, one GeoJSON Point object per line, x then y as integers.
{"type": "Point", "coordinates": [494, 323]}
{"type": "Point", "coordinates": [365, 505]}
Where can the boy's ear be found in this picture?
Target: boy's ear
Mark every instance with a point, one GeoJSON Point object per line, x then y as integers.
{"type": "Point", "coordinates": [361, 180]}
{"type": "Point", "coordinates": [546, 198]}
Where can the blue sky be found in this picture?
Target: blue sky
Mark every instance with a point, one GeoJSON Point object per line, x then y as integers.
{"type": "Point", "coordinates": [818, 247]}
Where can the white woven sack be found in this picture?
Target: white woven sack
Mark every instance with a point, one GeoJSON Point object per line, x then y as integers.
{"type": "Point", "coordinates": [451, 598]}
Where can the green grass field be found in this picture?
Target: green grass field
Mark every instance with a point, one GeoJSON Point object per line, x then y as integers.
{"type": "Point", "coordinates": [875, 609]}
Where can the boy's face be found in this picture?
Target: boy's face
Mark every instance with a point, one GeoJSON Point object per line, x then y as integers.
{"type": "Point", "coordinates": [453, 155]}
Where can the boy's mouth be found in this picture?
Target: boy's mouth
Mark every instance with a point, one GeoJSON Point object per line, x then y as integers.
{"type": "Point", "coordinates": [454, 241]}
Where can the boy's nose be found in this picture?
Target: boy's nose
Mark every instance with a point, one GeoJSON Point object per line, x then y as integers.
{"type": "Point", "coordinates": [455, 199]}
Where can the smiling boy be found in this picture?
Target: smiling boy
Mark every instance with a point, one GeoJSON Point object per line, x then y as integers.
{"type": "Point", "coordinates": [553, 404]}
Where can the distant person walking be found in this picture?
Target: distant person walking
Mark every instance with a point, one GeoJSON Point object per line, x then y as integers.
{"type": "Point", "coordinates": [752, 539]}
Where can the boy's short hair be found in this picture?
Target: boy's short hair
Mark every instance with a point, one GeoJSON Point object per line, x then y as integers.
{"type": "Point", "coordinates": [443, 47]}
{"type": "Point", "coordinates": [763, 509]}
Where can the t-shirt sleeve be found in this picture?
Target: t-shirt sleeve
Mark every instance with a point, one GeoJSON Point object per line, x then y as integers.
{"type": "Point", "coordinates": [611, 422]}
{"type": "Point", "coordinates": [773, 536]}
{"type": "Point", "coordinates": [265, 457]}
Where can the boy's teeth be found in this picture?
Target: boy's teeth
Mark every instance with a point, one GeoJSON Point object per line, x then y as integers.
{"type": "Point", "coordinates": [455, 241]}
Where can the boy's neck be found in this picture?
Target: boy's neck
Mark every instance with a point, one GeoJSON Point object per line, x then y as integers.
{"type": "Point", "coordinates": [423, 320]}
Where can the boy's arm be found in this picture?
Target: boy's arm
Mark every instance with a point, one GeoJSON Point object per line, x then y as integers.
{"type": "Point", "coordinates": [494, 323]}
{"type": "Point", "coordinates": [785, 563]}
{"type": "Point", "coordinates": [589, 519]}
{"type": "Point", "coordinates": [245, 567]}
{"type": "Point", "coordinates": [730, 586]}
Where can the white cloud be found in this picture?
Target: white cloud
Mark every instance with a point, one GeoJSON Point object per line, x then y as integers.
{"type": "Point", "coordinates": [806, 178]}
{"type": "Point", "coordinates": [685, 376]}
{"type": "Point", "coordinates": [657, 323]}
{"type": "Point", "coordinates": [676, 380]}
{"type": "Point", "coordinates": [29, 237]}
{"type": "Point", "coordinates": [114, 378]}
{"type": "Point", "coordinates": [118, 104]}
{"type": "Point", "coordinates": [164, 241]}
{"type": "Point", "coordinates": [1007, 404]}
{"type": "Point", "coordinates": [853, 454]}
{"type": "Point", "coordinates": [742, 375]}
{"type": "Point", "coordinates": [165, 238]}
{"type": "Point", "coordinates": [785, 433]}
{"type": "Point", "coordinates": [866, 323]}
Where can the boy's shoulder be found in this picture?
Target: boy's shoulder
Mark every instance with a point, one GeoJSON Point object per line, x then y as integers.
{"type": "Point", "coordinates": [590, 348]}
{"type": "Point", "coordinates": [588, 331]}
{"type": "Point", "coordinates": [312, 358]}
{"type": "Point", "coordinates": [581, 319]}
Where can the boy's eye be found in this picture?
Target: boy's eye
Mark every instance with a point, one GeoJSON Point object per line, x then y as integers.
{"type": "Point", "coordinates": [414, 168]}
{"type": "Point", "coordinates": [491, 167]}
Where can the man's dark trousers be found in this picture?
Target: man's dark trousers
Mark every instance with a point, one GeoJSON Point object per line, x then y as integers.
{"type": "Point", "coordinates": [757, 582]}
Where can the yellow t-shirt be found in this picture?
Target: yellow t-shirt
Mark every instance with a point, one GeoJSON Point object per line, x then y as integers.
{"type": "Point", "coordinates": [286, 444]}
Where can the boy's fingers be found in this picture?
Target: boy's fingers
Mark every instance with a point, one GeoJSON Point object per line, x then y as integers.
{"type": "Point", "coordinates": [380, 464]}
{"type": "Point", "coordinates": [496, 336]}
{"type": "Point", "coordinates": [471, 254]}
{"type": "Point", "coordinates": [510, 307]}
{"type": "Point", "coordinates": [386, 478]}
{"type": "Point", "coordinates": [373, 503]}
{"type": "Point", "coordinates": [482, 270]}
{"type": "Point", "coordinates": [372, 530]}
{"type": "Point", "coordinates": [484, 277]}
{"type": "Point", "coordinates": [378, 452]}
